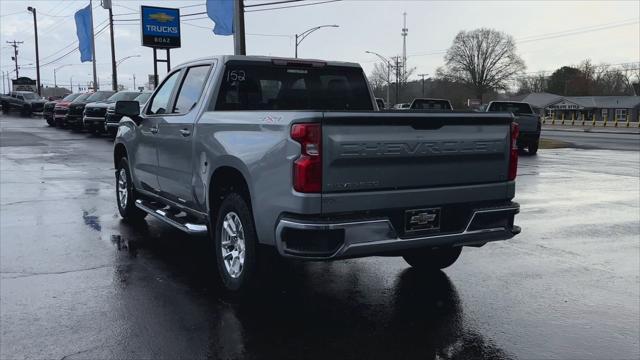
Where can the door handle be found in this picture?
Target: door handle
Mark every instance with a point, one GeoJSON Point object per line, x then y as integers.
{"type": "Point", "coordinates": [153, 130]}
{"type": "Point", "coordinates": [185, 132]}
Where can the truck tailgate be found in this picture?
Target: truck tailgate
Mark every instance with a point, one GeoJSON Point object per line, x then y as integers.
{"type": "Point", "coordinates": [528, 123]}
{"type": "Point", "coordinates": [388, 151]}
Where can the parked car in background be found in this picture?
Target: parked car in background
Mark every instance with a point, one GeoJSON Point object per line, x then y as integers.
{"type": "Point", "coordinates": [290, 154]}
{"type": "Point", "coordinates": [402, 106]}
{"type": "Point", "coordinates": [62, 108]}
{"type": "Point", "coordinates": [380, 104]}
{"type": "Point", "coordinates": [530, 122]}
{"type": "Point", "coordinates": [431, 104]}
{"type": "Point", "coordinates": [76, 109]}
{"type": "Point", "coordinates": [26, 102]}
{"type": "Point", "coordinates": [48, 111]}
{"type": "Point", "coordinates": [93, 118]}
{"type": "Point", "coordinates": [112, 119]}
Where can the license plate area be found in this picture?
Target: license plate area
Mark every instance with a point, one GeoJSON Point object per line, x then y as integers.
{"type": "Point", "coordinates": [422, 219]}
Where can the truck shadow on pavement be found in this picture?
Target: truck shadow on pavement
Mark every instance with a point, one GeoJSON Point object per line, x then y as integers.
{"type": "Point", "coordinates": [302, 310]}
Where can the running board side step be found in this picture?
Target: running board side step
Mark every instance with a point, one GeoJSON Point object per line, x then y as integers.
{"type": "Point", "coordinates": [170, 217]}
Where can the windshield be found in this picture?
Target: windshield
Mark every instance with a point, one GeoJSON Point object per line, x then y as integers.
{"type": "Point", "coordinates": [431, 104]}
{"type": "Point", "coordinates": [512, 107]}
{"type": "Point", "coordinates": [30, 96]}
{"type": "Point", "coordinates": [82, 97]}
{"type": "Point", "coordinates": [298, 87]}
{"type": "Point", "coordinates": [100, 95]}
{"type": "Point", "coordinates": [143, 97]}
{"type": "Point", "coordinates": [71, 97]}
{"type": "Point", "coordinates": [123, 95]}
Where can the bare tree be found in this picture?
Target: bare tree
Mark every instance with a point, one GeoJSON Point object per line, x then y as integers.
{"type": "Point", "coordinates": [532, 83]}
{"type": "Point", "coordinates": [484, 59]}
{"type": "Point", "coordinates": [631, 73]}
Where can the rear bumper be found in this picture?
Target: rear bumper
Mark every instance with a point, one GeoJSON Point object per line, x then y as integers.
{"type": "Point", "coordinates": [348, 239]}
{"type": "Point", "coordinates": [526, 137]}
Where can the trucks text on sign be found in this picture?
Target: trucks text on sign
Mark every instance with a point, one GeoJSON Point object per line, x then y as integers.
{"type": "Point", "coordinates": [160, 27]}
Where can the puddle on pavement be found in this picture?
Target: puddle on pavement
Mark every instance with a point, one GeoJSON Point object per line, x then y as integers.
{"type": "Point", "coordinates": [125, 245]}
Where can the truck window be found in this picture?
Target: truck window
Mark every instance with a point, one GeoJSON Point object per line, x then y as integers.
{"type": "Point", "coordinates": [250, 86]}
{"type": "Point", "coordinates": [512, 107]}
{"type": "Point", "coordinates": [191, 88]}
{"type": "Point", "coordinates": [431, 104]}
{"type": "Point", "coordinates": [160, 101]}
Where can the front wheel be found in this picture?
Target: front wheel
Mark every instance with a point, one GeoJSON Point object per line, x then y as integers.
{"type": "Point", "coordinates": [235, 244]}
{"type": "Point", "coordinates": [433, 259]}
{"type": "Point", "coordinates": [533, 147]}
{"type": "Point", "coordinates": [125, 194]}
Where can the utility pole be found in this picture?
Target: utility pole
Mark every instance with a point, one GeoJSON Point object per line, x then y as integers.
{"type": "Point", "coordinates": [239, 44]}
{"type": "Point", "coordinates": [35, 30]}
{"type": "Point", "coordinates": [114, 70]}
{"type": "Point", "coordinates": [398, 72]}
{"type": "Point", "coordinates": [134, 82]}
{"type": "Point", "coordinates": [3, 89]}
{"type": "Point", "coordinates": [405, 31]}
{"type": "Point", "coordinates": [93, 49]}
{"type": "Point", "coordinates": [15, 44]}
{"type": "Point", "coordinates": [422, 76]}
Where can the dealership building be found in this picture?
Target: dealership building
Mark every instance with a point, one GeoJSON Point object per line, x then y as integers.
{"type": "Point", "coordinates": [610, 108]}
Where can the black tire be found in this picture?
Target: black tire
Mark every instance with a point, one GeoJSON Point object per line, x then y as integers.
{"type": "Point", "coordinates": [51, 122]}
{"type": "Point", "coordinates": [127, 207]}
{"type": "Point", "coordinates": [26, 111]}
{"type": "Point", "coordinates": [532, 149]}
{"type": "Point", "coordinates": [433, 259]}
{"type": "Point", "coordinates": [5, 108]}
{"type": "Point", "coordinates": [242, 282]}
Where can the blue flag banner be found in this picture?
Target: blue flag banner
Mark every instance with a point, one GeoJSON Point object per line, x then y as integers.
{"type": "Point", "coordinates": [221, 12]}
{"type": "Point", "coordinates": [85, 32]}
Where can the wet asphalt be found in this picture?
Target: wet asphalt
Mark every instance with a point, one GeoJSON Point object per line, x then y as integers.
{"type": "Point", "coordinates": [608, 139]}
{"type": "Point", "coordinates": [79, 283]}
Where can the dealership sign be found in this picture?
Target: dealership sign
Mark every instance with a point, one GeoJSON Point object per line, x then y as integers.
{"type": "Point", "coordinates": [24, 84]}
{"type": "Point", "coordinates": [160, 27]}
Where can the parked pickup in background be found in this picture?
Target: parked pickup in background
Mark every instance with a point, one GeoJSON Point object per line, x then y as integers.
{"type": "Point", "coordinates": [290, 155]}
{"type": "Point", "coordinates": [93, 117]}
{"type": "Point", "coordinates": [75, 115]}
{"type": "Point", "coordinates": [529, 122]}
{"type": "Point", "coordinates": [26, 102]}
{"type": "Point", "coordinates": [431, 104]}
{"type": "Point", "coordinates": [49, 108]}
{"type": "Point", "coordinates": [61, 108]}
{"type": "Point", "coordinates": [112, 119]}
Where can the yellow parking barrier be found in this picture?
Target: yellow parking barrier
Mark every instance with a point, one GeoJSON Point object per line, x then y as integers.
{"type": "Point", "coordinates": [628, 119]}
{"type": "Point", "coordinates": [562, 119]}
{"type": "Point", "coordinates": [573, 121]}
{"type": "Point", "coordinates": [583, 118]}
{"type": "Point", "coordinates": [553, 118]}
{"type": "Point", "coordinates": [615, 122]}
{"type": "Point", "coordinates": [593, 122]}
{"type": "Point", "coordinates": [604, 124]}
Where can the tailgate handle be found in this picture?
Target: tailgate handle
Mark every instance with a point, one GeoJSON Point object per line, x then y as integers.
{"type": "Point", "coordinates": [185, 132]}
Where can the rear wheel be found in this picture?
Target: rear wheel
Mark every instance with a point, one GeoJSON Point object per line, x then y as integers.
{"type": "Point", "coordinates": [125, 195]}
{"type": "Point", "coordinates": [235, 244]}
{"type": "Point", "coordinates": [533, 147]}
{"type": "Point", "coordinates": [433, 259]}
{"type": "Point", "coordinates": [26, 110]}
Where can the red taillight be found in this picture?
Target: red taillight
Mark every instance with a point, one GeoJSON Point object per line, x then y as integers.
{"type": "Point", "coordinates": [513, 158]}
{"type": "Point", "coordinates": [307, 169]}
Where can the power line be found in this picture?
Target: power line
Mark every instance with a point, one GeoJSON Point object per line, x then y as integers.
{"type": "Point", "coordinates": [273, 3]}
{"type": "Point", "coordinates": [293, 6]}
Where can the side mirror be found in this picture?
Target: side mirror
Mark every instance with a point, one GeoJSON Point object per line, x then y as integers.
{"type": "Point", "coordinates": [130, 109]}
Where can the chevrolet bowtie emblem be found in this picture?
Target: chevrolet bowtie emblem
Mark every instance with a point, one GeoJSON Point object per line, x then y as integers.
{"type": "Point", "coordinates": [161, 17]}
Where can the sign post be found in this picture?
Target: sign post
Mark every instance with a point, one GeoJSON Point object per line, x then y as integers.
{"type": "Point", "coordinates": [160, 30]}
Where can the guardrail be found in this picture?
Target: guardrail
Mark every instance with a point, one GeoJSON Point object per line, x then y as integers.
{"type": "Point", "coordinates": [583, 121]}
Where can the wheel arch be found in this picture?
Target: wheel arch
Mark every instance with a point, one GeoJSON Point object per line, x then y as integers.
{"type": "Point", "coordinates": [119, 151]}
{"type": "Point", "coordinates": [226, 179]}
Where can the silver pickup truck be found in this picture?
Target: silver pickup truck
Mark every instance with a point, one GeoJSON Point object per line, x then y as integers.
{"type": "Point", "coordinates": [292, 155]}
{"type": "Point", "coordinates": [528, 121]}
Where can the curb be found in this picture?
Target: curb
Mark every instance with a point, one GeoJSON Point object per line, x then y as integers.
{"type": "Point", "coordinates": [592, 130]}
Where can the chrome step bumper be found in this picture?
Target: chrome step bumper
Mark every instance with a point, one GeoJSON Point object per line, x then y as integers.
{"type": "Point", "coordinates": [165, 214]}
{"type": "Point", "coordinates": [378, 236]}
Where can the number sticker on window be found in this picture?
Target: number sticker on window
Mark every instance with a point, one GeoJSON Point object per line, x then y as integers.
{"type": "Point", "coordinates": [236, 75]}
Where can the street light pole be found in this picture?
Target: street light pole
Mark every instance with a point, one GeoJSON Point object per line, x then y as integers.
{"type": "Point", "coordinates": [386, 61]}
{"type": "Point", "coordinates": [35, 30]}
{"type": "Point", "coordinates": [300, 37]}
{"type": "Point", "coordinates": [125, 58]}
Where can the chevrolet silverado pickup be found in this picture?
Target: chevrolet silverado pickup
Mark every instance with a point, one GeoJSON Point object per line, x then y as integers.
{"type": "Point", "coordinates": [292, 156]}
{"type": "Point", "coordinates": [48, 110]}
{"type": "Point", "coordinates": [26, 102]}
{"type": "Point", "coordinates": [61, 109]}
{"type": "Point", "coordinates": [93, 117]}
{"type": "Point", "coordinates": [528, 121]}
{"type": "Point", "coordinates": [75, 114]}
{"type": "Point", "coordinates": [431, 104]}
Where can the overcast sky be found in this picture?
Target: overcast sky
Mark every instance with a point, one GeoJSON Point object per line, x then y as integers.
{"type": "Point", "coordinates": [548, 33]}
